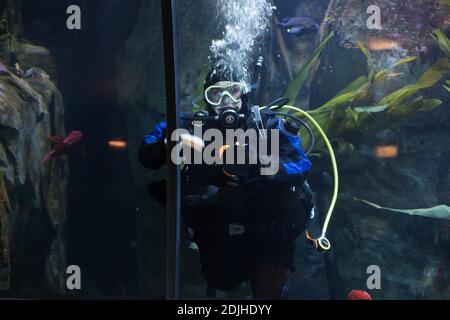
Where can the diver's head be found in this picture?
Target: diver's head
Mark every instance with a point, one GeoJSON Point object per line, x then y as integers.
{"type": "Point", "coordinates": [225, 95]}
{"type": "Point", "coordinates": [222, 91]}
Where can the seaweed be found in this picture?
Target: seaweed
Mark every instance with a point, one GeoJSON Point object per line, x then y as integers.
{"type": "Point", "coordinates": [295, 87]}
{"type": "Point", "coordinates": [371, 109]}
{"type": "Point", "coordinates": [442, 40]}
{"type": "Point", "coordinates": [384, 74]}
{"type": "Point", "coordinates": [447, 82]}
{"type": "Point", "coordinates": [433, 75]}
{"type": "Point", "coordinates": [438, 212]}
{"type": "Point", "coordinates": [359, 88]}
{"type": "Point", "coordinates": [342, 117]}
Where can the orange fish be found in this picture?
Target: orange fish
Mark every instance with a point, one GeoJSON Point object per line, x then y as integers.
{"type": "Point", "coordinates": [385, 152]}
{"type": "Point", "coordinates": [117, 144]}
{"type": "Point", "coordinates": [379, 44]}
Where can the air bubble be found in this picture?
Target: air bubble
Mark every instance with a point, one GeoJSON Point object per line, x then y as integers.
{"type": "Point", "coordinates": [244, 21]}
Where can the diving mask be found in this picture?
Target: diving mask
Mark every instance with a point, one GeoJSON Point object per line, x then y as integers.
{"type": "Point", "coordinates": [215, 94]}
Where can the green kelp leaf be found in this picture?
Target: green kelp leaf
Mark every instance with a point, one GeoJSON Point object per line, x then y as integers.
{"type": "Point", "coordinates": [354, 116]}
{"type": "Point", "coordinates": [387, 75]}
{"type": "Point", "coordinates": [294, 88]}
{"type": "Point", "coordinates": [447, 82]}
{"type": "Point", "coordinates": [428, 79]}
{"type": "Point", "coordinates": [383, 74]}
{"type": "Point", "coordinates": [380, 76]}
{"type": "Point", "coordinates": [430, 104]}
{"type": "Point", "coordinates": [354, 85]}
{"type": "Point", "coordinates": [401, 62]}
{"type": "Point", "coordinates": [348, 97]}
{"type": "Point", "coordinates": [357, 89]}
{"type": "Point", "coordinates": [364, 50]}
{"type": "Point", "coordinates": [438, 212]}
{"type": "Point", "coordinates": [371, 109]}
{"type": "Point", "coordinates": [418, 104]}
{"type": "Point", "coordinates": [370, 64]}
{"type": "Point", "coordinates": [442, 40]}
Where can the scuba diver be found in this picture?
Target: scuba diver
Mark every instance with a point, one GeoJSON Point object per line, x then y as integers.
{"type": "Point", "coordinates": [245, 224]}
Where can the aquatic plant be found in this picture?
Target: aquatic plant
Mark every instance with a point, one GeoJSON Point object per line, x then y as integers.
{"type": "Point", "coordinates": [432, 76]}
{"type": "Point", "coordinates": [437, 212]}
{"type": "Point", "coordinates": [359, 88]}
{"type": "Point", "coordinates": [295, 87]}
{"type": "Point", "coordinates": [444, 44]}
{"type": "Point", "coordinates": [343, 117]}
{"type": "Point", "coordinates": [448, 82]}
{"type": "Point", "coordinates": [442, 40]}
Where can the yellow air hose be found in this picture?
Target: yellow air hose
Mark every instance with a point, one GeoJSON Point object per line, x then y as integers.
{"type": "Point", "coordinates": [322, 243]}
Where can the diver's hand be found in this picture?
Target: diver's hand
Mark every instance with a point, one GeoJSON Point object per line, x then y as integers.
{"type": "Point", "coordinates": [192, 142]}
{"type": "Point", "coordinates": [237, 160]}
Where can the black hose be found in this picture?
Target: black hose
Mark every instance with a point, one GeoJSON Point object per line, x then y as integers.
{"type": "Point", "coordinates": [256, 85]}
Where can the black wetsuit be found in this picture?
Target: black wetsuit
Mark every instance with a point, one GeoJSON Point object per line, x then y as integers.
{"type": "Point", "coordinates": [245, 227]}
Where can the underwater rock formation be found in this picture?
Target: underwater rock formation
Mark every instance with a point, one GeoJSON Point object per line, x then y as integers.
{"type": "Point", "coordinates": [32, 196]}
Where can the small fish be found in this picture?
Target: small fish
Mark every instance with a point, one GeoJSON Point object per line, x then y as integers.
{"type": "Point", "coordinates": [298, 26]}
{"type": "Point", "coordinates": [385, 152]}
{"type": "Point", "coordinates": [62, 145]}
{"type": "Point", "coordinates": [117, 144]}
{"type": "Point", "coordinates": [359, 295]}
{"type": "Point", "coordinates": [381, 44]}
